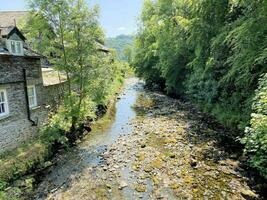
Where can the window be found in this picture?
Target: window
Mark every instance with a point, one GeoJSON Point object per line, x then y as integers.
{"type": "Point", "coordinates": [16, 47]}
{"type": "Point", "coordinates": [13, 47]}
{"type": "Point", "coordinates": [32, 96]}
{"type": "Point", "coordinates": [3, 103]}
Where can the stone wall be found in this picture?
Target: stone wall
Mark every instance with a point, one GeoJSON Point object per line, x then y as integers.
{"type": "Point", "coordinates": [11, 69]}
{"type": "Point", "coordinates": [16, 128]}
{"type": "Point", "coordinates": [53, 94]}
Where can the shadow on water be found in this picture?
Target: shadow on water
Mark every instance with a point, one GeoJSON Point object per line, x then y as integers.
{"type": "Point", "coordinates": [87, 153]}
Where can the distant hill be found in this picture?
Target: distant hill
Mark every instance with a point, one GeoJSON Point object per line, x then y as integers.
{"type": "Point", "coordinates": [119, 43]}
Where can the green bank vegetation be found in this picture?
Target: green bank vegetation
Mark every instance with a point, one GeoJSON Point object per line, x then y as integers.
{"type": "Point", "coordinates": [72, 39]}
{"type": "Point", "coordinates": [68, 33]}
{"type": "Point", "coordinates": [212, 53]}
{"type": "Point", "coordinates": [256, 135]}
{"type": "Point", "coordinates": [120, 43]}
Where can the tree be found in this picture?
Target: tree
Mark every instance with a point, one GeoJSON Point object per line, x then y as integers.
{"type": "Point", "coordinates": [209, 52]}
{"type": "Point", "coordinates": [146, 57]}
{"type": "Point", "coordinates": [120, 43]}
{"type": "Point", "coordinates": [75, 49]}
{"type": "Point", "coordinates": [255, 139]}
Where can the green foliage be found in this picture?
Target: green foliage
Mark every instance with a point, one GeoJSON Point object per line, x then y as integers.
{"type": "Point", "coordinates": [34, 154]}
{"type": "Point", "coordinates": [256, 135]}
{"type": "Point", "coordinates": [146, 57]}
{"type": "Point", "coordinates": [129, 54]}
{"type": "Point", "coordinates": [38, 32]}
{"type": "Point", "coordinates": [29, 157]}
{"type": "Point", "coordinates": [17, 163]}
{"type": "Point", "coordinates": [68, 33]}
{"type": "Point", "coordinates": [74, 47]}
{"type": "Point", "coordinates": [120, 43]}
{"type": "Point", "coordinates": [210, 52]}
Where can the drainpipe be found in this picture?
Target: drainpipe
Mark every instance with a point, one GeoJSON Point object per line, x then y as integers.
{"type": "Point", "coordinates": [26, 98]}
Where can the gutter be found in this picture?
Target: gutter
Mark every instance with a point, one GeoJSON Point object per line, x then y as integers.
{"type": "Point", "coordinates": [26, 98]}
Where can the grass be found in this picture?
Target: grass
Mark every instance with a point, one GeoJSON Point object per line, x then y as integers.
{"type": "Point", "coordinates": [22, 161]}
{"type": "Point", "coordinates": [16, 163]}
{"type": "Point", "coordinates": [143, 104]}
{"type": "Point", "coordinates": [34, 154]}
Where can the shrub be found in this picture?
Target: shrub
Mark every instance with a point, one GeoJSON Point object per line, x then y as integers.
{"type": "Point", "coordinates": [255, 139]}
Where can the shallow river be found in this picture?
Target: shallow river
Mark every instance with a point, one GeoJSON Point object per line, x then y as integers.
{"type": "Point", "coordinates": [87, 153]}
{"type": "Point", "coordinates": [165, 152]}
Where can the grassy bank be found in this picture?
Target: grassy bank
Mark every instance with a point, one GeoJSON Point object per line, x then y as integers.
{"type": "Point", "coordinates": [19, 167]}
{"type": "Point", "coordinates": [25, 160]}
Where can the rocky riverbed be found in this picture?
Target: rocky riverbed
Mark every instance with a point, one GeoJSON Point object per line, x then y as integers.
{"type": "Point", "coordinates": [168, 153]}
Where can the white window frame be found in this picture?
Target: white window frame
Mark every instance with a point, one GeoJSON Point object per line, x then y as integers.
{"type": "Point", "coordinates": [18, 51]}
{"type": "Point", "coordinates": [34, 104]}
{"type": "Point", "coordinates": [5, 102]}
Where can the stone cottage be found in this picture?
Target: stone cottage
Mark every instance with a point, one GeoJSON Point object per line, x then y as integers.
{"type": "Point", "coordinates": [25, 89]}
{"type": "Point", "coordinates": [29, 86]}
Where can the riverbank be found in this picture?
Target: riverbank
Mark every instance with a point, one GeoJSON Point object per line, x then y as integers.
{"type": "Point", "coordinates": [164, 152]}
{"type": "Point", "coordinates": [87, 154]}
{"type": "Point", "coordinates": [20, 169]}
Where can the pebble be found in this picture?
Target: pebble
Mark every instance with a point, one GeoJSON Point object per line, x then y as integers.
{"type": "Point", "coordinates": [122, 185]}
{"type": "Point", "coordinates": [171, 155]}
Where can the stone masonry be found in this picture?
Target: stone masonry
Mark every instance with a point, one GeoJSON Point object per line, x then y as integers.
{"type": "Point", "coordinates": [16, 128]}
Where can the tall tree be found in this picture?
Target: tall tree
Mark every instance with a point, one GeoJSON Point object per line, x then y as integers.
{"type": "Point", "coordinates": [74, 49]}
{"type": "Point", "coordinates": [210, 52]}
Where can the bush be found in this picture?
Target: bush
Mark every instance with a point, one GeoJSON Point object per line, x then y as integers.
{"type": "Point", "coordinates": [255, 139]}
{"type": "Point", "coordinates": [210, 52]}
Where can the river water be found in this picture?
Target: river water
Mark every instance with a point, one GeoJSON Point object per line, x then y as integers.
{"type": "Point", "coordinates": [168, 153]}
{"type": "Point", "coordinates": [87, 153]}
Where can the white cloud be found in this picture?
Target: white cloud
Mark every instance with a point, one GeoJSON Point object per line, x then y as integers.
{"type": "Point", "coordinates": [121, 28]}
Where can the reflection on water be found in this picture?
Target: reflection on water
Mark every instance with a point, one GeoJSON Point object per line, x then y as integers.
{"type": "Point", "coordinates": [88, 152]}
{"type": "Point", "coordinates": [96, 143]}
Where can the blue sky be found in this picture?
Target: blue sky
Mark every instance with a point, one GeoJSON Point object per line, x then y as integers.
{"type": "Point", "coordinates": [116, 17]}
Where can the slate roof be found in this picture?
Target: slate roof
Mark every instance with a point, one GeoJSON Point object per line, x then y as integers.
{"type": "Point", "coordinates": [5, 32]}
{"type": "Point", "coordinates": [8, 18]}
{"type": "Point", "coordinates": [52, 77]}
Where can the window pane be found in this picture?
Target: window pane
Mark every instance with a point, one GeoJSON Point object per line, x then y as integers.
{"type": "Point", "coordinates": [30, 92]}
{"type": "Point", "coordinates": [3, 103]}
{"type": "Point", "coordinates": [13, 47]}
{"type": "Point", "coordinates": [2, 98]}
{"type": "Point", "coordinates": [2, 108]}
{"type": "Point", "coordinates": [32, 96]}
{"type": "Point", "coordinates": [18, 47]}
{"type": "Point", "coordinates": [31, 102]}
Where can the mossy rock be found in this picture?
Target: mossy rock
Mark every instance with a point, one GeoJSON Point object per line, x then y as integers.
{"type": "Point", "coordinates": [148, 169]}
{"type": "Point", "coordinates": [136, 166]}
{"type": "Point", "coordinates": [157, 163]}
{"type": "Point", "coordinates": [140, 188]}
{"type": "Point", "coordinates": [174, 186]}
{"type": "Point", "coordinates": [188, 179]}
{"type": "Point", "coordinates": [155, 180]}
{"type": "Point", "coordinates": [141, 156]}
